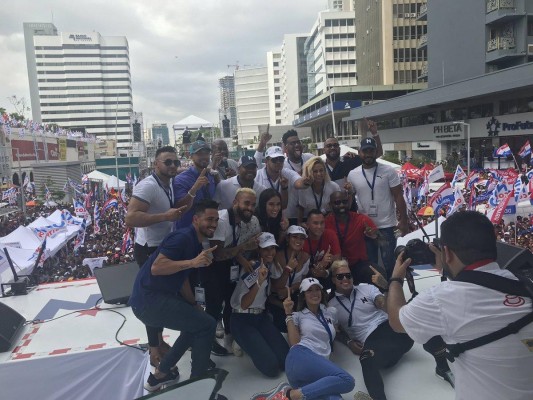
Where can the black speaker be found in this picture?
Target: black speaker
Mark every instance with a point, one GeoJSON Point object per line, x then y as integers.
{"type": "Point", "coordinates": [515, 259]}
{"type": "Point", "coordinates": [11, 323]}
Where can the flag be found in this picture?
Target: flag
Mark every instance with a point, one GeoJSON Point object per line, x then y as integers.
{"type": "Point", "coordinates": [436, 174]}
{"type": "Point", "coordinates": [88, 197]}
{"type": "Point", "coordinates": [472, 178]}
{"type": "Point", "coordinates": [135, 179]}
{"type": "Point", "coordinates": [85, 179]}
{"type": "Point", "coordinates": [459, 201]}
{"type": "Point", "coordinates": [503, 151]}
{"type": "Point", "coordinates": [126, 241]}
{"type": "Point", "coordinates": [80, 239]}
{"type": "Point", "coordinates": [525, 150]}
{"type": "Point", "coordinates": [26, 181]}
{"type": "Point", "coordinates": [96, 215]}
{"type": "Point", "coordinates": [458, 176]}
{"type": "Point", "coordinates": [51, 231]}
{"type": "Point", "coordinates": [7, 194]}
{"type": "Point", "coordinates": [47, 194]}
{"type": "Point", "coordinates": [497, 213]}
{"type": "Point", "coordinates": [407, 195]}
{"type": "Point", "coordinates": [423, 190]}
{"type": "Point", "coordinates": [112, 202]}
{"type": "Point", "coordinates": [79, 209]}
{"type": "Point", "coordinates": [441, 197]}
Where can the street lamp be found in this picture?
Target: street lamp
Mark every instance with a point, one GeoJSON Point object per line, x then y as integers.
{"type": "Point", "coordinates": [467, 125]}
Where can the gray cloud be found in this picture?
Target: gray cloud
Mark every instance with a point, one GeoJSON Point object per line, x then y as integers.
{"type": "Point", "coordinates": [178, 48]}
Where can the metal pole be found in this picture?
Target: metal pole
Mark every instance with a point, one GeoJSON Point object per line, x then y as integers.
{"type": "Point", "coordinates": [467, 148]}
{"type": "Point", "coordinates": [22, 197]}
{"type": "Point", "coordinates": [116, 142]}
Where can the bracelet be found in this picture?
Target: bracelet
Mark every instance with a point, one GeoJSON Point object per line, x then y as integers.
{"type": "Point", "coordinates": [399, 280]}
{"type": "Point", "coordinates": [189, 193]}
{"type": "Point", "coordinates": [289, 318]}
{"type": "Point", "coordinates": [349, 341]}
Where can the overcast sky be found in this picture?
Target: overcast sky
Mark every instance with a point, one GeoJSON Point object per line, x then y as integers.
{"type": "Point", "coordinates": [178, 48]}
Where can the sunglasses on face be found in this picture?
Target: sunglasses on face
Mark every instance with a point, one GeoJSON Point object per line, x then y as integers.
{"type": "Point", "coordinates": [168, 162]}
{"type": "Point", "coordinates": [294, 143]}
{"type": "Point", "coordinates": [339, 202]}
{"type": "Point", "coordinates": [332, 145]}
{"type": "Point", "coordinates": [277, 160]}
{"type": "Point", "coordinates": [340, 277]}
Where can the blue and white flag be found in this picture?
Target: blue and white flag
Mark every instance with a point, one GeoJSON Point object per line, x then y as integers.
{"type": "Point", "coordinates": [458, 176]}
{"type": "Point", "coordinates": [441, 197]}
{"type": "Point", "coordinates": [458, 201]}
{"type": "Point", "coordinates": [525, 150]}
{"type": "Point", "coordinates": [503, 151]}
{"type": "Point", "coordinates": [80, 239]}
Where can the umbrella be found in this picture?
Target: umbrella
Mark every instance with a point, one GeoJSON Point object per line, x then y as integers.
{"type": "Point", "coordinates": [426, 211]}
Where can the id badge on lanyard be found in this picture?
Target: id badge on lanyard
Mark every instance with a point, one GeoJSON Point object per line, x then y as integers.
{"type": "Point", "coordinates": [234, 273]}
{"type": "Point", "coordinates": [373, 210]}
{"type": "Point", "coordinates": [199, 295]}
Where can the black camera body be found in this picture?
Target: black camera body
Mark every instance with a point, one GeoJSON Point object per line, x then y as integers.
{"type": "Point", "coordinates": [418, 251]}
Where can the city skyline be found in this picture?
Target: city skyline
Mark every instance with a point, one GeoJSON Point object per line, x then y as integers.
{"type": "Point", "coordinates": [175, 61]}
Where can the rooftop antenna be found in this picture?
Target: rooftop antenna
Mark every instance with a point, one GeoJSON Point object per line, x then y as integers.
{"type": "Point", "coordinates": [52, 12]}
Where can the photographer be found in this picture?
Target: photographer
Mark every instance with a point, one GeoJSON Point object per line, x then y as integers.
{"type": "Point", "coordinates": [460, 311]}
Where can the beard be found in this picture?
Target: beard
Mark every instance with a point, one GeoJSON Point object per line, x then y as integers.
{"type": "Point", "coordinates": [245, 216]}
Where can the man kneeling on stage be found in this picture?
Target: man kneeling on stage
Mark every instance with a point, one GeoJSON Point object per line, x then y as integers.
{"type": "Point", "coordinates": [162, 295]}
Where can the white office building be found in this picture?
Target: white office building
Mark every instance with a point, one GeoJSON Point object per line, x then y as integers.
{"type": "Point", "coordinates": [274, 86]}
{"type": "Point", "coordinates": [80, 80]}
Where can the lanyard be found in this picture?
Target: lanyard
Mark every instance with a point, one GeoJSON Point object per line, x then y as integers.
{"type": "Point", "coordinates": [350, 311]}
{"type": "Point", "coordinates": [343, 236]}
{"type": "Point", "coordinates": [318, 205]}
{"type": "Point", "coordinates": [231, 218]}
{"type": "Point", "coordinates": [324, 322]}
{"type": "Point", "coordinates": [290, 165]}
{"type": "Point", "coordinates": [331, 171]}
{"type": "Point", "coordinates": [293, 273]}
{"type": "Point", "coordinates": [311, 252]}
{"type": "Point", "coordinates": [271, 184]}
{"type": "Point", "coordinates": [169, 193]}
{"type": "Point", "coordinates": [373, 180]}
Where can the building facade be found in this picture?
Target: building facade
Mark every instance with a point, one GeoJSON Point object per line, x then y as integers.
{"type": "Point", "coordinates": [80, 81]}
{"type": "Point", "coordinates": [274, 69]}
{"type": "Point", "coordinates": [160, 132]}
{"type": "Point", "coordinates": [227, 109]}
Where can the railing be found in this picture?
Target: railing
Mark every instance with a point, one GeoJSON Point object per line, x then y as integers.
{"type": "Point", "coordinates": [422, 40]}
{"type": "Point", "coordinates": [424, 70]}
{"type": "Point", "coordinates": [497, 4]}
{"type": "Point", "coordinates": [423, 9]}
{"type": "Point", "coordinates": [502, 43]}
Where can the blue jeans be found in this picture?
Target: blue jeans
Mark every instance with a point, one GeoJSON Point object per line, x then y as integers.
{"type": "Point", "coordinates": [261, 340]}
{"type": "Point", "coordinates": [316, 376]}
{"type": "Point", "coordinates": [197, 329]}
{"type": "Point", "coordinates": [386, 246]}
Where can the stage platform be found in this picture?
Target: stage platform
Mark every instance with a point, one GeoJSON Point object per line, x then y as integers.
{"type": "Point", "coordinates": [76, 356]}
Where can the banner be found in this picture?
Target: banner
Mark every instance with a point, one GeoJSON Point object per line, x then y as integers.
{"type": "Point", "coordinates": [436, 174]}
{"type": "Point", "coordinates": [442, 197]}
{"type": "Point", "coordinates": [498, 212]}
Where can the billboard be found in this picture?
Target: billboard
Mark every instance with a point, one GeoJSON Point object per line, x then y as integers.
{"type": "Point", "coordinates": [26, 150]}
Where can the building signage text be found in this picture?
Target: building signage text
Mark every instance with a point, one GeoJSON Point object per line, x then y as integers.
{"type": "Point", "coordinates": [448, 132]}
{"type": "Point", "coordinates": [82, 38]}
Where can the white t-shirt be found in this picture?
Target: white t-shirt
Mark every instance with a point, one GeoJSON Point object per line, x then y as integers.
{"type": "Point", "coordinates": [313, 334]}
{"type": "Point", "coordinates": [309, 200]}
{"type": "Point", "coordinates": [460, 311]}
{"type": "Point", "coordinates": [227, 189]}
{"type": "Point", "coordinates": [262, 179]}
{"type": "Point", "coordinates": [366, 317]}
{"type": "Point", "coordinates": [296, 167]}
{"type": "Point", "coordinates": [243, 231]}
{"type": "Point", "coordinates": [149, 191]}
{"type": "Point", "coordinates": [262, 294]}
{"type": "Point", "coordinates": [386, 178]}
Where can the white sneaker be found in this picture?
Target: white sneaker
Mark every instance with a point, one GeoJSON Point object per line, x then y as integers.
{"type": "Point", "coordinates": [220, 330]}
{"type": "Point", "coordinates": [228, 342]}
{"type": "Point", "coordinates": [237, 351]}
{"type": "Point", "coordinates": [362, 396]}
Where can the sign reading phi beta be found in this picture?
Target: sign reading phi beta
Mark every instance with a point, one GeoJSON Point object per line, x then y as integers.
{"type": "Point", "coordinates": [448, 131]}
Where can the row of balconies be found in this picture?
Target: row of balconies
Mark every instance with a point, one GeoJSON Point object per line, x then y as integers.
{"type": "Point", "coordinates": [501, 43]}
{"type": "Point", "coordinates": [493, 5]}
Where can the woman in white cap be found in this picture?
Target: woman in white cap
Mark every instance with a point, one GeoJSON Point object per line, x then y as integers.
{"type": "Point", "coordinates": [294, 266]}
{"type": "Point", "coordinates": [311, 331]}
{"type": "Point", "coordinates": [252, 328]}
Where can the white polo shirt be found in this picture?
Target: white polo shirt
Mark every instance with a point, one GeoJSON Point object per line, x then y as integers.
{"type": "Point", "coordinates": [313, 334]}
{"type": "Point", "coordinates": [366, 317]}
{"type": "Point", "coordinates": [243, 231]}
{"type": "Point", "coordinates": [148, 191]}
{"type": "Point", "coordinates": [460, 311]}
{"type": "Point", "coordinates": [262, 179]}
{"type": "Point", "coordinates": [309, 200]}
{"type": "Point", "coordinates": [227, 189]}
{"type": "Point", "coordinates": [262, 294]}
{"type": "Point", "coordinates": [386, 178]}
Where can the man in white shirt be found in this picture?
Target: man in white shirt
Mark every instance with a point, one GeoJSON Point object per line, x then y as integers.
{"type": "Point", "coordinates": [227, 189]}
{"type": "Point", "coordinates": [461, 311]}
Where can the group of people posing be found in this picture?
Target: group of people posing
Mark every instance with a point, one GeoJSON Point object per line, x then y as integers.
{"type": "Point", "coordinates": [273, 250]}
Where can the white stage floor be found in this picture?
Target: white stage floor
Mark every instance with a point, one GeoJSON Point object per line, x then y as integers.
{"type": "Point", "coordinates": [77, 357]}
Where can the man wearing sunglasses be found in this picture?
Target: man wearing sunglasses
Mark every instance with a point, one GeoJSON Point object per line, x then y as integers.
{"type": "Point", "coordinates": [352, 228]}
{"type": "Point", "coordinates": [364, 323]}
{"type": "Point", "coordinates": [151, 212]}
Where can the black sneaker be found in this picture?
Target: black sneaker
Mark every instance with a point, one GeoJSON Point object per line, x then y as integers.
{"type": "Point", "coordinates": [154, 384]}
{"type": "Point", "coordinates": [446, 375]}
{"type": "Point", "coordinates": [218, 350]}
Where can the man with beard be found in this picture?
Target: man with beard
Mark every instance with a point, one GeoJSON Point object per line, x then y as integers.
{"type": "Point", "coordinates": [196, 183]}
{"type": "Point", "coordinates": [274, 176]}
{"type": "Point", "coordinates": [379, 196]}
{"type": "Point", "coordinates": [236, 234]}
{"type": "Point", "coordinates": [221, 162]}
{"type": "Point", "coordinates": [322, 245]}
{"type": "Point", "coordinates": [151, 213]}
{"type": "Point", "coordinates": [227, 189]}
{"type": "Point", "coordinates": [352, 228]}
{"type": "Point", "coordinates": [162, 295]}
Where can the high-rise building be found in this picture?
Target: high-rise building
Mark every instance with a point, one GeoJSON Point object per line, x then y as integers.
{"type": "Point", "coordinates": [252, 102]}
{"type": "Point", "coordinates": [160, 131]}
{"type": "Point", "coordinates": [80, 80]}
{"type": "Point", "coordinates": [274, 86]}
{"type": "Point", "coordinates": [227, 110]}
{"type": "Point", "coordinates": [388, 47]}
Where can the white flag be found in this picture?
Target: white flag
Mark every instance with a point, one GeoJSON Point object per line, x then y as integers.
{"type": "Point", "coordinates": [436, 174]}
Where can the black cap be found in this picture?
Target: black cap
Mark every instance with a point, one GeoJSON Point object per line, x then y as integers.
{"type": "Point", "coordinates": [368, 143]}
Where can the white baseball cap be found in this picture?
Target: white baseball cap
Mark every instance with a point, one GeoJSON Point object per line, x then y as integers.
{"type": "Point", "coordinates": [296, 230]}
{"type": "Point", "coordinates": [274, 151]}
{"type": "Point", "coordinates": [307, 283]}
{"type": "Point", "coordinates": [266, 240]}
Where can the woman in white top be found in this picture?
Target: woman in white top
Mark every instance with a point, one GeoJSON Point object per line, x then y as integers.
{"type": "Point", "coordinates": [316, 196]}
{"type": "Point", "coordinates": [311, 331]}
{"type": "Point", "coordinates": [252, 328]}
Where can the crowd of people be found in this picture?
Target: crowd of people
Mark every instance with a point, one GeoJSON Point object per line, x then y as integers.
{"type": "Point", "coordinates": [282, 254]}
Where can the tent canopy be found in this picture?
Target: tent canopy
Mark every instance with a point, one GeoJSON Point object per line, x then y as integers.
{"type": "Point", "coordinates": [98, 176]}
{"type": "Point", "coordinates": [192, 122]}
